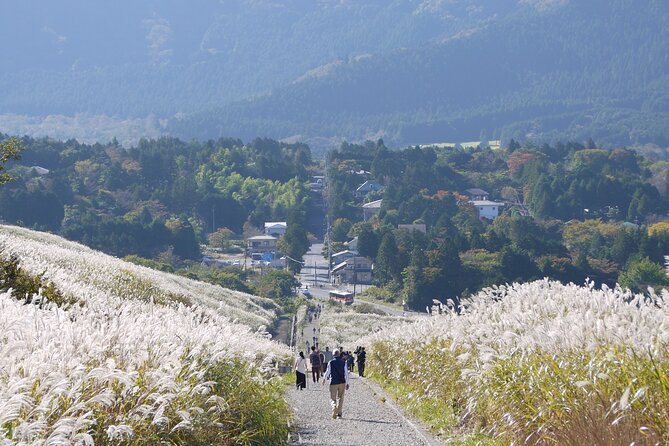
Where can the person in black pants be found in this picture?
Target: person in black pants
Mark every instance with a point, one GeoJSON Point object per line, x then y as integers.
{"type": "Point", "coordinates": [315, 360]}
{"type": "Point", "coordinates": [361, 361]}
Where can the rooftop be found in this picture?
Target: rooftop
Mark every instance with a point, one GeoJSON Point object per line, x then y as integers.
{"type": "Point", "coordinates": [262, 237]}
{"type": "Point", "coordinates": [276, 224]}
{"type": "Point", "coordinates": [486, 203]}
{"type": "Point", "coordinates": [373, 205]}
{"type": "Point", "coordinates": [476, 191]}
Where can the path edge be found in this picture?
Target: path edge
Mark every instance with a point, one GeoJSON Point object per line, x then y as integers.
{"type": "Point", "coordinates": [421, 430]}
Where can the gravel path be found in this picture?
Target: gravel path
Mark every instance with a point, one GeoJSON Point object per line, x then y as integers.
{"type": "Point", "coordinates": [368, 420]}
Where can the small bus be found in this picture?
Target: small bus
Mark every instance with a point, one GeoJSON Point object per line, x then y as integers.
{"type": "Point", "coordinates": [342, 296]}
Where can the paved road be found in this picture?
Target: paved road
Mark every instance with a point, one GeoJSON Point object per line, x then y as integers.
{"type": "Point", "coordinates": [315, 274]}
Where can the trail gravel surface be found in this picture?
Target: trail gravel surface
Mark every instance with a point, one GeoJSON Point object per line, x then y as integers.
{"type": "Point", "coordinates": [367, 420]}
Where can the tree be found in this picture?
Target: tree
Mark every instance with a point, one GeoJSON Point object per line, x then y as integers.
{"type": "Point", "coordinates": [517, 266]}
{"type": "Point", "coordinates": [414, 281]}
{"type": "Point", "coordinates": [642, 273]}
{"type": "Point", "coordinates": [450, 266]}
{"type": "Point", "coordinates": [277, 284]}
{"type": "Point", "coordinates": [339, 230]}
{"type": "Point", "coordinates": [10, 149]}
{"type": "Point", "coordinates": [368, 242]}
{"type": "Point", "coordinates": [221, 238]}
{"type": "Point", "coordinates": [387, 264]}
{"type": "Point", "coordinates": [294, 244]}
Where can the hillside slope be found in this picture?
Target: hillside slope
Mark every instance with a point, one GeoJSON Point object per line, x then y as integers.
{"type": "Point", "coordinates": [82, 272]}
{"type": "Point", "coordinates": [136, 358]}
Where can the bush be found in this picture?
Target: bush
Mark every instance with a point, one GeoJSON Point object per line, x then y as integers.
{"type": "Point", "coordinates": [25, 286]}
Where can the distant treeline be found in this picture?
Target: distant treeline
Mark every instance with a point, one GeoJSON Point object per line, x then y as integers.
{"type": "Point", "coordinates": [571, 211]}
{"type": "Point", "coordinates": [162, 195]}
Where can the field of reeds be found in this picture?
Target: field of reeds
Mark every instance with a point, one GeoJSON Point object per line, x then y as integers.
{"type": "Point", "coordinates": [535, 363]}
{"type": "Point", "coordinates": [343, 326]}
{"type": "Point", "coordinates": [131, 356]}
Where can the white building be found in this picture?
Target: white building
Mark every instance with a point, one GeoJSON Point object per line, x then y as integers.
{"type": "Point", "coordinates": [487, 209]}
{"type": "Point", "coordinates": [371, 209]}
{"type": "Point", "coordinates": [275, 228]}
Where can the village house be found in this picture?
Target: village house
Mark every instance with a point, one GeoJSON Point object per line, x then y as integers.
{"type": "Point", "coordinates": [40, 170]}
{"type": "Point", "coordinates": [371, 209]}
{"type": "Point", "coordinates": [262, 244]}
{"type": "Point", "coordinates": [487, 209]}
{"type": "Point", "coordinates": [317, 183]}
{"type": "Point", "coordinates": [476, 194]}
{"type": "Point", "coordinates": [367, 187]}
{"type": "Point", "coordinates": [342, 256]}
{"type": "Point", "coordinates": [355, 270]}
{"type": "Point", "coordinates": [275, 228]}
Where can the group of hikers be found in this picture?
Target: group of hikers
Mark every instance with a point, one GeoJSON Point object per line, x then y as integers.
{"type": "Point", "coordinates": [334, 366]}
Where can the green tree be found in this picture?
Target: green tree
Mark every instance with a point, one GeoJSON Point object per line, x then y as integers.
{"type": "Point", "coordinates": [415, 281]}
{"type": "Point", "coordinates": [294, 243]}
{"type": "Point", "coordinates": [368, 241]}
{"type": "Point", "coordinates": [387, 264]}
{"type": "Point", "coordinates": [517, 266]}
{"type": "Point", "coordinates": [339, 230]}
{"type": "Point", "coordinates": [221, 238]}
{"type": "Point", "coordinates": [10, 149]}
{"type": "Point", "coordinates": [642, 273]}
{"type": "Point", "coordinates": [277, 284]}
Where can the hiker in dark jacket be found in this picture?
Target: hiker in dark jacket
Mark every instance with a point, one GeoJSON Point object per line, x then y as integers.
{"type": "Point", "coordinates": [362, 356]}
{"type": "Point", "coordinates": [315, 360]}
{"type": "Point", "coordinates": [337, 373]}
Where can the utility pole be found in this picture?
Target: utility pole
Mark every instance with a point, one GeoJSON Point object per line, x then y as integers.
{"type": "Point", "coordinates": [355, 276]}
{"type": "Point", "coordinates": [327, 218]}
{"type": "Point", "coordinates": [213, 218]}
{"type": "Point", "coordinates": [329, 250]}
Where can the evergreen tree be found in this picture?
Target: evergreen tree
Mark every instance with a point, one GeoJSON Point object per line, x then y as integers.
{"type": "Point", "coordinates": [414, 281]}
{"type": "Point", "coordinates": [387, 265]}
{"type": "Point", "coordinates": [368, 242]}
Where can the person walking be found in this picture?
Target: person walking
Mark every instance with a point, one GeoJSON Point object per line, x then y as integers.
{"type": "Point", "coordinates": [350, 361]}
{"type": "Point", "coordinates": [328, 355]}
{"type": "Point", "coordinates": [337, 373]}
{"type": "Point", "coordinates": [315, 360]}
{"type": "Point", "coordinates": [362, 357]}
{"type": "Point", "coordinates": [321, 356]}
{"type": "Point", "coordinates": [301, 371]}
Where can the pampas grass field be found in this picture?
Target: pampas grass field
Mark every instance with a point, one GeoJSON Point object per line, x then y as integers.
{"type": "Point", "coordinates": [133, 356]}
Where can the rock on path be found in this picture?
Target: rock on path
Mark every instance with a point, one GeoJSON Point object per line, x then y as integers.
{"type": "Point", "coordinates": [367, 420]}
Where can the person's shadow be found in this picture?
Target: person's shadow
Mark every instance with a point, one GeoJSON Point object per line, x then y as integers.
{"type": "Point", "coordinates": [372, 421]}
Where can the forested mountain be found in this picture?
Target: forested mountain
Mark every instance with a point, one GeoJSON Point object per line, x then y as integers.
{"type": "Point", "coordinates": [133, 58]}
{"type": "Point", "coordinates": [596, 69]}
{"type": "Point", "coordinates": [412, 71]}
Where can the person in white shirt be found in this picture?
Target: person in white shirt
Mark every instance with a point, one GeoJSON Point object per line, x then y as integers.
{"type": "Point", "coordinates": [301, 371]}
